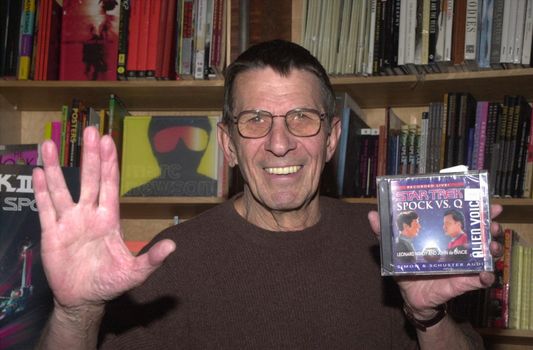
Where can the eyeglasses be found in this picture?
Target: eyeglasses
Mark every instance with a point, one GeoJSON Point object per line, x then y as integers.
{"type": "Point", "coordinates": [302, 122]}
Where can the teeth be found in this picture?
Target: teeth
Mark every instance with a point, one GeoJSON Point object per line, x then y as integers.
{"type": "Point", "coordinates": [283, 170]}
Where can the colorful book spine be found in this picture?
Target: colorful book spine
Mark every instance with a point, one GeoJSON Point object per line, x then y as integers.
{"type": "Point", "coordinates": [27, 23]}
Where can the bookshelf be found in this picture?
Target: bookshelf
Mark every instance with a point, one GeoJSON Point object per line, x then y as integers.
{"type": "Point", "coordinates": [26, 105]}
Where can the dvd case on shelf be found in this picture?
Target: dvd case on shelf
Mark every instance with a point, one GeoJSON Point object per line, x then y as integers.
{"type": "Point", "coordinates": [435, 223]}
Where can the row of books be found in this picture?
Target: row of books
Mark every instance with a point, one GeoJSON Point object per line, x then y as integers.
{"type": "Point", "coordinates": [418, 36]}
{"type": "Point", "coordinates": [508, 303]}
{"type": "Point", "coordinates": [112, 39]}
{"type": "Point", "coordinates": [495, 136]}
{"type": "Point", "coordinates": [490, 135]}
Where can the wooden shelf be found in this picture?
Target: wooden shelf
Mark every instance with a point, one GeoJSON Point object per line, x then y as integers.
{"type": "Point", "coordinates": [412, 90]}
{"type": "Point", "coordinates": [145, 95]}
{"type": "Point", "coordinates": [369, 92]}
{"type": "Point", "coordinates": [515, 210]}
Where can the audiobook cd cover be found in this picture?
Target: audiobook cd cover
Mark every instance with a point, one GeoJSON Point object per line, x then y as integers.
{"type": "Point", "coordinates": [435, 224]}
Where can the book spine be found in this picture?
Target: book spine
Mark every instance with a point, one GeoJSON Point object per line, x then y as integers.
{"type": "Point", "coordinates": [132, 63]}
{"type": "Point", "coordinates": [53, 42]}
{"type": "Point", "coordinates": [26, 39]}
{"type": "Point", "coordinates": [528, 35]}
{"type": "Point", "coordinates": [187, 40]}
{"type": "Point", "coordinates": [123, 33]}
{"type": "Point", "coordinates": [74, 122]}
{"type": "Point", "coordinates": [144, 39]}
{"type": "Point", "coordinates": [471, 31]}
{"type": "Point", "coordinates": [155, 38]}
{"type": "Point", "coordinates": [485, 33]}
{"type": "Point", "coordinates": [497, 32]}
{"type": "Point", "coordinates": [449, 31]}
{"type": "Point", "coordinates": [528, 182]}
{"type": "Point", "coordinates": [200, 39]}
{"type": "Point", "coordinates": [519, 31]}
{"type": "Point", "coordinates": [458, 32]}
{"type": "Point", "coordinates": [168, 45]}
{"type": "Point", "coordinates": [482, 135]}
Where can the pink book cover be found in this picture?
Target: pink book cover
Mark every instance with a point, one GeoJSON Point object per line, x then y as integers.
{"type": "Point", "coordinates": [89, 39]}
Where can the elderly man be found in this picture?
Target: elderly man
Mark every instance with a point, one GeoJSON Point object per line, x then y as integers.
{"type": "Point", "coordinates": [276, 267]}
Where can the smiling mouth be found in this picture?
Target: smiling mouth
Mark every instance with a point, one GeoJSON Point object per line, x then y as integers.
{"type": "Point", "coordinates": [283, 170]}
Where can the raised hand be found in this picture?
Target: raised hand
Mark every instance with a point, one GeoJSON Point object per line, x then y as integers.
{"type": "Point", "coordinates": [84, 256]}
{"type": "Point", "coordinates": [424, 293]}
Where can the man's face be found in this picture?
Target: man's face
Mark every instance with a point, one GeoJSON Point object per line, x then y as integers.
{"type": "Point", "coordinates": [411, 230]}
{"type": "Point", "coordinates": [282, 171]}
{"type": "Point", "coordinates": [451, 227]}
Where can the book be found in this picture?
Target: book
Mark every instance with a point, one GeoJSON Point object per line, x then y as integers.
{"type": "Point", "coordinates": [27, 24]}
{"type": "Point", "coordinates": [115, 123]}
{"type": "Point", "coordinates": [346, 156]}
{"type": "Point", "coordinates": [89, 40]}
{"type": "Point", "coordinates": [10, 42]}
{"type": "Point", "coordinates": [435, 223]}
{"type": "Point", "coordinates": [20, 154]}
{"type": "Point", "coordinates": [123, 34]}
{"type": "Point", "coordinates": [25, 298]}
{"type": "Point", "coordinates": [170, 156]}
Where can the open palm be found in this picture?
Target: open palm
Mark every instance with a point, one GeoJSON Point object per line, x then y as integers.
{"type": "Point", "coordinates": [84, 255]}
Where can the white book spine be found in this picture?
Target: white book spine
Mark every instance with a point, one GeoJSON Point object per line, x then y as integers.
{"type": "Point", "coordinates": [505, 30]}
{"type": "Point", "coordinates": [361, 38]}
{"type": "Point", "coordinates": [471, 30]}
{"type": "Point", "coordinates": [449, 31]}
{"type": "Point", "coordinates": [410, 34]}
{"type": "Point", "coordinates": [528, 34]}
{"type": "Point", "coordinates": [519, 34]}
{"type": "Point", "coordinates": [371, 37]}
{"type": "Point", "coordinates": [403, 31]}
{"type": "Point", "coordinates": [512, 31]}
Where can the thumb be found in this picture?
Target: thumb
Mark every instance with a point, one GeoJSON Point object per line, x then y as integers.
{"type": "Point", "coordinates": [373, 218]}
{"type": "Point", "coordinates": [148, 262]}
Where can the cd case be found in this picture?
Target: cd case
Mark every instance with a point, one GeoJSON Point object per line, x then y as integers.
{"type": "Point", "coordinates": [435, 223]}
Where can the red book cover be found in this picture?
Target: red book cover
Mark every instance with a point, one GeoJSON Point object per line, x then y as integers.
{"type": "Point", "coordinates": [144, 29]}
{"type": "Point", "coordinates": [161, 39]}
{"type": "Point", "coordinates": [133, 38]}
{"type": "Point", "coordinates": [89, 39]}
{"type": "Point", "coordinates": [155, 37]}
{"type": "Point", "coordinates": [44, 24]}
{"type": "Point", "coordinates": [53, 43]}
{"type": "Point", "coordinates": [36, 38]}
{"type": "Point", "coordinates": [168, 47]}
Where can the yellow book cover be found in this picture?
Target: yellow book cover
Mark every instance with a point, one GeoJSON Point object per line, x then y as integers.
{"type": "Point", "coordinates": [169, 156]}
{"type": "Point", "coordinates": [515, 287]}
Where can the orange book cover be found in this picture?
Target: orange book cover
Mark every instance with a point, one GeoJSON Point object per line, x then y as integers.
{"type": "Point", "coordinates": [89, 40]}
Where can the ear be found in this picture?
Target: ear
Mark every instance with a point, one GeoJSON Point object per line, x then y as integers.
{"type": "Point", "coordinates": [333, 138]}
{"type": "Point", "coordinates": [225, 141]}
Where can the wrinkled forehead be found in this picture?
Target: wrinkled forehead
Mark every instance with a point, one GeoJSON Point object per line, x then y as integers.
{"type": "Point", "coordinates": [267, 89]}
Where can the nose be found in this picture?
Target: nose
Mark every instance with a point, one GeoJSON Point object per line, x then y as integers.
{"type": "Point", "coordinates": [279, 140]}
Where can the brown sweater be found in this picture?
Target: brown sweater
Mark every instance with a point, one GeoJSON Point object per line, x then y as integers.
{"type": "Point", "coordinates": [232, 285]}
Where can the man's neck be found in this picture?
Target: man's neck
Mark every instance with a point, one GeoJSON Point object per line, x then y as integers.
{"type": "Point", "coordinates": [294, 220]}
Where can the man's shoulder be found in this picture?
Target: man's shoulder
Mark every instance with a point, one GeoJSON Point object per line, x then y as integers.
{"type": "Point", "coordinates": [208, 222]}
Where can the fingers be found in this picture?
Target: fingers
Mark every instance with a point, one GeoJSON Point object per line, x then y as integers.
{"type": "Point", "coordinates": [373, 218]}
{"type": "Point", "coordinates": [495, 210]}
{"type": "Point", "coordinates": [90, 167]}
{"type": "Point", "coordinates": [54, 181]}
{"type": "Point", "coordinates": [110, 176]}
{"type": "Point", "coordinates": [47, 215]}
